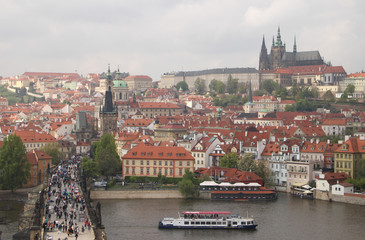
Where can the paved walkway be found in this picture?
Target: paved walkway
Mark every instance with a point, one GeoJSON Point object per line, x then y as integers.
{"type": "Point", "coordinates": [66, 208]}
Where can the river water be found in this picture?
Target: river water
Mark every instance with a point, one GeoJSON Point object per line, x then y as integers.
{"type": "Point", "coordinates": [286, 218]}
{"type": "Point", "coordinates": [11, 210]}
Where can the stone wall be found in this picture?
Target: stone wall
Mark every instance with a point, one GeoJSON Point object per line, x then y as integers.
{"type": "Point", "coordinates": [145, 194]}
{"type": "Point", "coordinates": [358, 199]}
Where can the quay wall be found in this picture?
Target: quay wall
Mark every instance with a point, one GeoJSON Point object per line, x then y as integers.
{"type": "Point", "coordinates": [357, 199]}
{"type": "Point", "coordinates": [145, 194]}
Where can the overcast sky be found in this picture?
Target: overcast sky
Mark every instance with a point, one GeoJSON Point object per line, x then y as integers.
{"type": "Point", "coordinates": [150, 37]}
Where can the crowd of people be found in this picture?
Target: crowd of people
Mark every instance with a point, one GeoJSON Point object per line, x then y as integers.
{"type": "Point", "coordinates": [65, 205]}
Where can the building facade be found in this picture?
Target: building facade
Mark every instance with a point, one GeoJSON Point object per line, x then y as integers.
{"type": "Point", "coordinates": [149, 161]}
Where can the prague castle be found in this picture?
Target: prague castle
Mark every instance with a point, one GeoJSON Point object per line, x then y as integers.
{"type": "Point", "coordinates": [280, 58]}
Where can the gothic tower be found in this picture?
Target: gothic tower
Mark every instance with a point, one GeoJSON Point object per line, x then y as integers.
{"type": "Point", "coordinates": [264, 63]}
{"type": "Point", "coordinates": [277, 51]}
{"type": "Point", "coordinates": [108, 114]}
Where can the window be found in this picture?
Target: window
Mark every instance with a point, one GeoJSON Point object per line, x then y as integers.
{"type": "Point", "coordinates": [148, 170]}
{"type": "Point", "coordinates": [170, 163]}
{"type": "Point", "coordinates": [133, 162]}
{"type": "Point", "coordinates": [127, 162]}
{"type": "Point", "coordinates": [141, 162]}
{"type": "Point", "coordinates": [180, 163]}
{"type": "Point", "coordinates": [127, 170]}
{"type": "Point", "coordinates": [148, 162]}
{"type": "Point", "coordinates": [187, 163]}
{"type": "Point", "coordinates": [141, 171]}
{"type": "Point", "coordinates": [154, 163]}
{"type": "Point", "coordinates": [165, 163]}
{"type": "Point", "coordinates": [159, 163]}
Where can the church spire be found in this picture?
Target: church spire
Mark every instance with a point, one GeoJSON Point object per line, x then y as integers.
{"type": "Point", "coordinates": [273, 41]}
{"type": "Point", "coordinates": [295, 45]}
{"type": "Point", "coordinates": [278, 38]}
{"type": "Point", "coordinates": [264, 60]}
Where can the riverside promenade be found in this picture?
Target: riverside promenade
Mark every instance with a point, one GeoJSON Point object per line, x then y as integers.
{"type": "Point", "coordinates": [66, 215]}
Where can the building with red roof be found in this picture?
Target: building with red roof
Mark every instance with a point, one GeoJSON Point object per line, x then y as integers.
{"type": "Point", "coordinates": [148, 161]}
{"type": "Point", "coordinates": [348, 155]}
{"type": "Point", "coordinates": [40, 162]}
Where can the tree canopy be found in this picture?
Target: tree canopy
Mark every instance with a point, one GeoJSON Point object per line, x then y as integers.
{"type": "Point", "coordinates": [189, 185]}
{"type": "Point", "coordinates": [269, 85]}
{"type": "Point", "coordinates": [199, 85]}
{"type": "Point", "coordinates": [247, 163]}
{"type": "Point", "coordinates": [53, 150]}
{"type": "Point", "coordinates": [229, 160]}
{"type": "Point", "coordinates": [89, 167]}
{"type": "Point", "coordinates": [182, 85]}
{"type": "Point", "coordinates": [14, 165]}
{"type": "Point", "coordinates": [232, 84]}
{"type": "Point", "coordinates": [106, 156]}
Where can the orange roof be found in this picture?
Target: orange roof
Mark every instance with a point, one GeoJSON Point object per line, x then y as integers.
{"type": "Point", "coordinates": [157, 105]}
{"type": "Point", "coordinates": [143, 151]}
{"type": "Point", "coordinates": [31, 137]}
{"type": "Point", "coordinates": [357, 75]}
{"type": "Point", "coordinates": [37, 155]}
{"type": "Point", "coordinates": [334, 122]}
{"type": "Point", "coordinates": [353, 145]}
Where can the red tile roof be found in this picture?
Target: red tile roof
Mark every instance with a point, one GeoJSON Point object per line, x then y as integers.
{"type": "Point", "coordinates": [143, 151]}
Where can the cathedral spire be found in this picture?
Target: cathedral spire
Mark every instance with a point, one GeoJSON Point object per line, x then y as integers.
{"type": "Point", "coordinates": [295, 45]}
{"type": "Point", "coordinates": [278, 38]}
{"type": "Point", "coordinates": [264, 60]}
{"type": "Point", "coordinates": [273, 41]}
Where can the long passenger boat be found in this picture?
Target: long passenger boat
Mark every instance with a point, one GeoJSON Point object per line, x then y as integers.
{"type": "Point", "coordinates": [238, 191]}
{"type": "Point", "coordinates": [208, 220]}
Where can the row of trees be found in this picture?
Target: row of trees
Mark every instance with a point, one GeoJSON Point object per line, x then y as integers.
{"type": "Point", "coordinates": [246, 163]}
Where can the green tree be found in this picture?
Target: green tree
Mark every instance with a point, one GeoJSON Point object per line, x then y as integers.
{"type": "Point", "coordinates": [14, 164]}
{"type": "Point", "coordinates": [328, 96]}
{"type": "Point", "coordinates": [229, 160]}
{"type": "Point", "coordinates": [247, 163]}
{"type": "Point", "coordinates": [350, 89]}
{"type": "Point", "coordinates": [360, 169]}
{"type": "Point", "coordinates": [189, 185]}
{"type": "Point", "coordinates": [106, 156]}
{"type": "Point", "coordinates": [213, 85]}
{"type": "Point", "coordinates": [263, 171]}
{"type": "Point", "coordinates": [53, 150]}
{"type": "Point", "coordinates": [232, 84]}
{"type": "Point", "coordinates": [199, 85]}
{"type": "Point", "coordinates": [182, 85]}
{"type": "Point", "coordinates": [220, 87]}
{"type": "Point", "coordinates": [89, 167]}
{"type": "Point", "coordinates": [269, 85]}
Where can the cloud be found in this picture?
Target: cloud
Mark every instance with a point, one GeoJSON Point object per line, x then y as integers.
{"type": "Point", "coordinates": [153, 37]}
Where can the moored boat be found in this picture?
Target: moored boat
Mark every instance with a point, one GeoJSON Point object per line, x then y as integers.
{"type": "Point", "coordinates": [208, 220]}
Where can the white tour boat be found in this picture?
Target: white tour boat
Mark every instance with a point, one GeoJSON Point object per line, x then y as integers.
{"type": "Point", "coordinates": [208, 220]}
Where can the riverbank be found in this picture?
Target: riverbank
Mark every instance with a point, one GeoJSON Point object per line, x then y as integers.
{"type": "Point", "coordinates": [134, 194]}
{"type": "Point", "coordinates": [357, 199]}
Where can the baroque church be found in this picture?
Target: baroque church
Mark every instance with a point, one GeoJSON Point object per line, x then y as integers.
{"type": "Point", "coordinates": [280, 58]}
{"type": "Point", "coordinates": [115, 91]}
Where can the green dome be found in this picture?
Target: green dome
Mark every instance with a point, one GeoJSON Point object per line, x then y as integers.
{"type": "Point", "coordinates": [120, 83]}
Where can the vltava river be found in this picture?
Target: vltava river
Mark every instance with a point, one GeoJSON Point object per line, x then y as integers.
{"type": "Point", "coordinates": [286, 218]}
